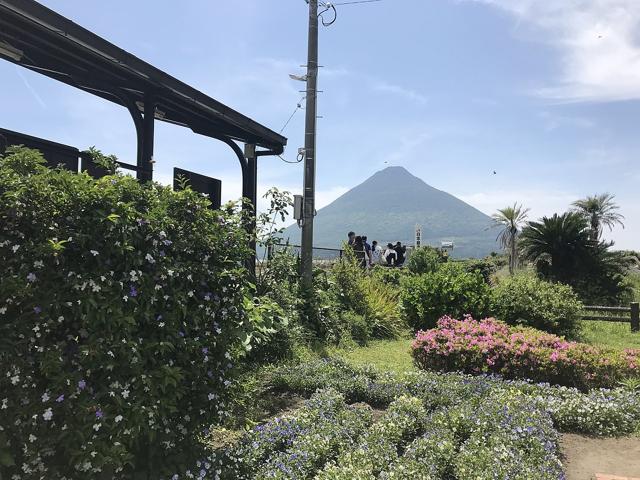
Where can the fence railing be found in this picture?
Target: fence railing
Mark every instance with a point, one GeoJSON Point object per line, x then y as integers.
{"type": "Point", "coordinates": [629, 314]}
{"type": "Point", "coordinates": [322, 254]}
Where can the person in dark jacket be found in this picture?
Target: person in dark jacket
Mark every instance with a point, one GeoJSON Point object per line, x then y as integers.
{"type": "Point", "coordinates": [351, 238]}
{"type": "Point", "coordinates": [402, 252]}
{"type": "Point", "coordinates": [360, 252]}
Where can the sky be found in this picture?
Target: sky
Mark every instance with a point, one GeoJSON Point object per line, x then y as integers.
{"type": "Point", "coordinates": [546, 94]}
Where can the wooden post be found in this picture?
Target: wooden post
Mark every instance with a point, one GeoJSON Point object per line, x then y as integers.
{"type": "Point", "coordinates": [635, 317]}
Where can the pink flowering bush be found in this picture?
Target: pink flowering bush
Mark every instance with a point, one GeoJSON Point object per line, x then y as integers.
{"type": "Point", "coordinates": [122, 309]}
{"type": "Point", "coordinates": [490, 346]}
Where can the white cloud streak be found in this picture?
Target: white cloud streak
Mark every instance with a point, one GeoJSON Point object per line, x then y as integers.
{"type": "Point", "coordinates": [393, 89]}
{"type": "Point", "coordinates": [598, 41]}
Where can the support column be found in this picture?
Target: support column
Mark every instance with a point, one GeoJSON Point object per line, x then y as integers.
{"type": "Point", "coordinates": [250, 191]}
{"type": "Point", "coordinates": [145, 160]}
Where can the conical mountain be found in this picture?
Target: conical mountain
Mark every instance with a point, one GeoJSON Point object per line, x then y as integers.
{"type": "Point", "coordinates": [388, 205]}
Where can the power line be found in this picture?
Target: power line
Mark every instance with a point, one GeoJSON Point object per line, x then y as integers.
{"type": "Point", "coordinates": [298, 107]}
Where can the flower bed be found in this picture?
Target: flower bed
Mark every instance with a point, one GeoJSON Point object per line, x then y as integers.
{"type": "Point", "coordinates": [490, 346]}
{"type": "Point", "coordinates": [597, 412]}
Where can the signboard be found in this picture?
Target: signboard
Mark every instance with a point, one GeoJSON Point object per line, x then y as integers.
{"type": "Point", "coordinates": [212, 187]}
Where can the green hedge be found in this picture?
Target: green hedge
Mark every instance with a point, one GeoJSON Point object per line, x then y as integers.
{"type": "Point", "coordinates": [450, 290]}
{"type": "Point", "coordinates": [527, 300]}
{"type": "Point", "coordinates": [122, 308]}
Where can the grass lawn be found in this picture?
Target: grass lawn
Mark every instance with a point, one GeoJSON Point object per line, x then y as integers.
{"type": "Point", "coordinates": [394, 355]}
{"type": "Point", "coordinates": [609, 334]}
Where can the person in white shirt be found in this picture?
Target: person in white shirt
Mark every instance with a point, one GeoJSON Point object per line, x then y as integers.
{"type": "Point", "coordinates": [376, 253]}
{"type": "Point", "coordinates": [390, 255]}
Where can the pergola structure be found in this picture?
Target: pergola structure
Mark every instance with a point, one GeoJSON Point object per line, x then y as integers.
{"type": "Point", "coordinates": [45, 42]}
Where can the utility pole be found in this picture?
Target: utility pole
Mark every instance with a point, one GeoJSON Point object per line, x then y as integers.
{"type": "Point", "coordinates": [310, 149]}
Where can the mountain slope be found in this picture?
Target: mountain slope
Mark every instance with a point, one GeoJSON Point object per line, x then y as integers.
{"type": "Point", "coordinates": [387, 206]}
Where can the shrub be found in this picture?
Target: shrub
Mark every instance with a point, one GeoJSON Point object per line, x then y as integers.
{"type": "Point", "coordinates": [485, 267]}
{"type": "Point", "coordinates": [490, 346]}
{"type": "Point", "coordinates": [359, 328]}
{"type": "Point", "coordinates": [597, 412]}
{"type": "Point", "coordinates": [390, 276]}
{"type": "Point", "coordinates": [364, 295]}
{"type": "Point", "coordinates": [122, 310]}
{"type": "Point", "coordinates": [425, 260]}
{"type": "Point", "coordinates": [527, 300]}
{"type": "Point", "coordinates": [448, 291]}
{"type": "Point", "coordinates": [295, 445]}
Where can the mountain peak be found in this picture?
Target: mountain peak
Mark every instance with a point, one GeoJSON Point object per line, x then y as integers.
{"type": "Point", "coordinates": [388, 205]}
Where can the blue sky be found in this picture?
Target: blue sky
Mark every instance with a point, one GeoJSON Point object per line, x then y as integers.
{"type": "Point", "coordinates": [544, 93]}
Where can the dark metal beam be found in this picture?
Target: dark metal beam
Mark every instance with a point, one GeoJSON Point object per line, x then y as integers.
{"type": "Point", "coordinates": [145, 160]}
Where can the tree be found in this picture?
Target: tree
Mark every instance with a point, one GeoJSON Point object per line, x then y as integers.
{"type": "Point", "coordinates": [563, 250]}
{"type": "Point", "coordinates": [511, 220]}
{"type": "Point", "coordinates": [600, 211]}
{"type": "Point", "coordinates": [557, 244]}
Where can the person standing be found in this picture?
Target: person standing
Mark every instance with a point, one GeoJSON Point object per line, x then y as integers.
{"type": "Point", "coordinates": [351, 237]}
{"type": "Point", "coordinates": [401, 252]}
{"type": "Point", "coordinates": [376, 253]}
{"type": "Point", "coordinates": [367, 249]}
{"type": "Point", "coordinates": [390, 255]}
{"type": "Point", "coordinates": [361, 254]}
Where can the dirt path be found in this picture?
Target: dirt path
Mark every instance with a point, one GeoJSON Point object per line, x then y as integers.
{"type": "Point", "coordinates": [586, 456]}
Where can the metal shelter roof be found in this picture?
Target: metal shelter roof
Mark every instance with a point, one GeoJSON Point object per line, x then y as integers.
{"type": "Point", "coordinates": [41, 40]}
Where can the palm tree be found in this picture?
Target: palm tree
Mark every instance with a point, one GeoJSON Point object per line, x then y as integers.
{"type": "Point", "coordinates": [600, 211]}
{"type": "Point", "coordinates": [558, 245]}
{"type": "Point", "coordinates": [511, 220]}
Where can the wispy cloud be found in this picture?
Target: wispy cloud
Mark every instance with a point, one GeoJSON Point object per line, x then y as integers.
{"type": "Point", "coordinates": [553, 121]}
{"type": "Point", "coordinates": [407, 93]}
{"type": "Point", "coordinates": [598, 42]}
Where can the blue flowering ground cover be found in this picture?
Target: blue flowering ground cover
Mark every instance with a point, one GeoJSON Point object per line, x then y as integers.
{"type": "Point", "coordinates": [434, 427]}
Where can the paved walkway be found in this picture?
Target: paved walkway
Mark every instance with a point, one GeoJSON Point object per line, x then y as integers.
{"type": "Point", "coordinates": [590, 458]}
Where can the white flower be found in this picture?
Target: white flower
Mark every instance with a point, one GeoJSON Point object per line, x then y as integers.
{"type": "Point", "coordinates": [45, 397]}
{"type": "Point", "coordinates": [32, 438]}
{"type": "Point", "coordinates": [3, 310]}
{"type": "Point", "coordinates": [97, 426]}
{"type": "Point", "coordinates": [15, 379]}
{"type": "Point", "coordinates": [125, 394]}
{"type": "Point", "coordinates": [38, 264]}
{"type": "Point", "coordinates": [149, 258]}
{"type": "Point", "coordinates": [15, 248]}
{"type": "Point", "coordinates": [48, 414]}
{"type": "Point", "coordinates": [94, 252]}
{"type": "Point", "coordinates": [211, 396]}
{"type": "Point", "coordinates": [118, 418]}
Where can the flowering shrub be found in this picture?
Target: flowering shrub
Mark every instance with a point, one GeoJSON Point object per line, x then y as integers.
{"type": "Point", "coordinates": [378, 447]}
{"type": "Point", "coordinates": [450, 290]}
{"type": "Point", "coordinates": [490, 346]}
{"type": "Point", "coordinates": [494, 431]}
{"type": "Point", "coordinates": [121, 309]}
{"type": "Point", "coordinates": [597, 412]}
{"type": "Point", "coordinates": [529, 301]}
{"type": "Point", "coordinates": [295, 445]}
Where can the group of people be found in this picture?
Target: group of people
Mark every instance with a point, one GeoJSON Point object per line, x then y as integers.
{"type": "Point", "coordinates": [369, 255]}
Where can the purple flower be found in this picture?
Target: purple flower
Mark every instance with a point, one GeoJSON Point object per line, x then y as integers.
{"type": "Point", "coordinates": [37, 309]}
{"type": "Point", "coordinates": [205, 350]}
{"type": "Point", "coordinates": [31, 277]}
{"type": "Point", "coordinates": [181, 333]}
{"type": "Point", "coordinates": [133, 292]}
{"type": "Point", "coordinates": [82, 384]}
{"type": "Point", "coordinates": [99, 413]}
{"type": "Point", "coordinates": [60, 399]}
